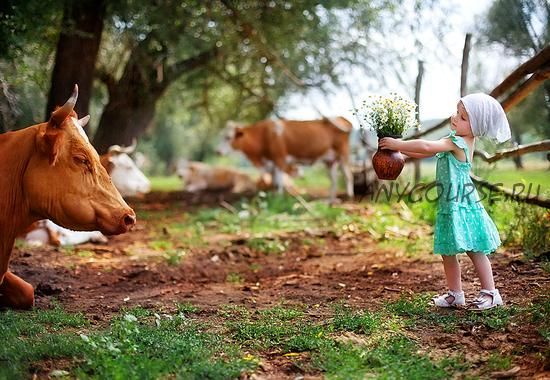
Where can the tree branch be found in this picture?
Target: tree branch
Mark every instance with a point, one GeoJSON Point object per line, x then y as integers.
{"type": "Point", "coordinates": [539, 60]}
{"type": "Point", "coordinates": [199, 60]}
{"type": "Point", "coordinates": [541, 146]}
{"type": "Point", "coordinates": [539, 65]}
{"type": "Point", "coordinates": [248, 31]}
{"type": "Point", "coordinates": [536, 200]}
{"type": "Point", "coordinates": [526, 88]}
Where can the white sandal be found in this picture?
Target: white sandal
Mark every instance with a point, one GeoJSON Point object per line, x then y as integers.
{"type": "Point", "coordinates": [450, 299]}
{"type": "Point", "coordinates": [487, 299]}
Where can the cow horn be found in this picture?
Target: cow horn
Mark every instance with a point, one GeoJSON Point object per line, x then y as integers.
{"type": "Point", "coordinates": [62, 112]}
{"type": "Point", "coordinates": [119, 149]}
{"type": "Point", "coordinates": [84, 120]}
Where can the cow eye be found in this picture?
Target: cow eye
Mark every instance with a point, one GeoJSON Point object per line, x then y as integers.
{"type": "Point", "coordinates": [82, 161]}
{"type": "Point", "coordinates": [238, 134]}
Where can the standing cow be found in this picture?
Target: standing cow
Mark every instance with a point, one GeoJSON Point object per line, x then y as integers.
{"type": "Point", "coordinates": [277, 145]}
{"type": "Point", "coordinates": [51, 171]}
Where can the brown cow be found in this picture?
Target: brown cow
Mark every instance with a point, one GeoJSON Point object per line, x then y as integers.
{"type": "Point", "coordinates": [51, 171]}
{"type": "Point", "coordinates": [276, 145]}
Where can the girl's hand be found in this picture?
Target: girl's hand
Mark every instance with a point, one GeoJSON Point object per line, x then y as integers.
{"type": "Point", "coordinates": [389, 143]}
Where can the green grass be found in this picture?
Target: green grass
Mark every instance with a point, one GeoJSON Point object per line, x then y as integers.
{"type": "Point", "coordinates": [138, 343]}
{"type": "Point", "coordinates": [166, 183]}
{"type": "Point", "coordinates": [267, 246]}
{"type": "Point", "coordinates": [347, 344]}
{"type": "Point", "coordinates": [29, 337]}
{"type": "Point", "coordinates": [510, 177]}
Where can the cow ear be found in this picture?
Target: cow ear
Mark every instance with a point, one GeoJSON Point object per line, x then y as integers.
{"type": "Point", "coordinates": [50, 143]}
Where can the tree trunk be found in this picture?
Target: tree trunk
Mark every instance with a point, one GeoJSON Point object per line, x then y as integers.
{"type": "Point", "coordinates": [76, 53]}
{"type": "Point", "coordinates": [126, 116]}
{"type": "Point", "coordinates": [516, 138]}
{"type": "Point", "coordinates": [133, 98]}
{"type": "Point", "coordinates": [465, 64]}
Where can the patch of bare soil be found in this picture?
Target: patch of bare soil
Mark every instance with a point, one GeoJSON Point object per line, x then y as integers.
{"type": "Point", "coordinates": [348, 267]}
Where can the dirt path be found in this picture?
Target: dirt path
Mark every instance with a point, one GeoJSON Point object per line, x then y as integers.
{"type": "Point", "coordinates": [100, 279]}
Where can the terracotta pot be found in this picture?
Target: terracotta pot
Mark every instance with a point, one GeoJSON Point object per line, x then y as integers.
{"type": "Point", "coordinates": [388, 164]}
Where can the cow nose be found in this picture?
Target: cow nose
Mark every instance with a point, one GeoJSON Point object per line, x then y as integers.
{"type": "Point", "coordinates": [129, 220]}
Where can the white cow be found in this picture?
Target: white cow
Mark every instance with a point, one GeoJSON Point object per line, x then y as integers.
{"type": "Point", "coordinates": [47, 232]}
{"type": "Point", "coordinates": [127, 178]}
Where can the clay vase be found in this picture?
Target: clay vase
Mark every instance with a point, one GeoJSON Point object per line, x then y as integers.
{"type": "Point", "coordinates": [388, 164]}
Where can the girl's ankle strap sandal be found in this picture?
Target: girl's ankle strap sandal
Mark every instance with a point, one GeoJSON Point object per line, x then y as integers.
{"type": "Point", "coordinates": [450, 299]}
{"type": "Point", "coordinates": [487, 299]}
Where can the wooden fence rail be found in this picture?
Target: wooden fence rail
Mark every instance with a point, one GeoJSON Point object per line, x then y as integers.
{"type": "Point", "coordinates": [538, 66]}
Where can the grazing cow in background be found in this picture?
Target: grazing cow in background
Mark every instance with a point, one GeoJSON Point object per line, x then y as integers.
{"type": "Point", "coordinates": [197, 176]}
{"type": "Point", "coordinates": [51, 171]}
{"type": "Point", "coordinates": [126, 176]}
{"type": "Point", "coordinates": [277, 145]}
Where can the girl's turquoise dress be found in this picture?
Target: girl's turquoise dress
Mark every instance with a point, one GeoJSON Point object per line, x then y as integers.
{"type": "Point", "coordinates": [462, 224]}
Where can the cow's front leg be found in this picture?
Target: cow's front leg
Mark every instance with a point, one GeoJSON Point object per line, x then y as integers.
{"type": "Point", "coordinates": [349, 178]}
{"type": "Point", "coordinates": [333, 180]}
{"type": "Point", "coordinates": [16, 293]}
{"type": "Point", "coordinates": [278, 179]}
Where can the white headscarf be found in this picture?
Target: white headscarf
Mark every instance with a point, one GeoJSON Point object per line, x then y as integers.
{"type": "Point", "coordinates": [487, 117]}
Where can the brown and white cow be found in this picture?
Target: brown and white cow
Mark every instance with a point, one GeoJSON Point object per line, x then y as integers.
{"type": "Point", "coordinates": [199, 176]}
{"type": "Point", "coordinates": [278, 145]}
{"type": "Point", "coordinates": [51, 171]}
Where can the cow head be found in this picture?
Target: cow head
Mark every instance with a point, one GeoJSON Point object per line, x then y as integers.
{"type": "Point", "coordinates": [193, 175]}
{"type": "Point", "coordinates": [126, 176]}
{"type": "Point", "coordinates": [65, 181]}
{"type": "Point", "coordinates": [232, 137]}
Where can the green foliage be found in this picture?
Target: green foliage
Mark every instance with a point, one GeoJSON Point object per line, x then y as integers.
{"type": "Point", "coordinates": [267, 246]}
{"type": "Point", "coordinates": [234, 278]}
{"type": "Point", "coordinates": [540, 315]}
{"type": "Point", "coordinates": [174, 256]}
{"type": "Point", "coordinates": [187, 308]}
{"type": "Point", "coordinates": [167, 346]}
{"type": "Point", "coordinates": [359, 322]}
{"type": "Point", "coordinates": [352, 344]}
{"type": "Point", "coordinates": [37, 335]}
{"type": "Point", "coordinates": [396, 358]}
{"type": "Point", "coordinates": [163, 183]}
{"type": "Point", "coordinates": [497, 362]}
{"type": "Point", "coordinates": [522, 26]}
{"type": "Point", "coordinates": [522, 224]}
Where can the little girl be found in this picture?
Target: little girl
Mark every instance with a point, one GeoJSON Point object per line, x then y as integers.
{"type": "Point", "coordinates": [462, 224]}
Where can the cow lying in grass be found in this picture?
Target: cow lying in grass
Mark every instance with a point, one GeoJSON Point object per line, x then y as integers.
{"type": "Point", "coordinates": [198, 176]}
{"type": "Point", "coordinates": [51, 171]}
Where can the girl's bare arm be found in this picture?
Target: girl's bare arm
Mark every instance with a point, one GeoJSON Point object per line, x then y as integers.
{"type": "Point", "coordinates": [419, 146]}
{"type": "Point", "coordinates": [416, 155]}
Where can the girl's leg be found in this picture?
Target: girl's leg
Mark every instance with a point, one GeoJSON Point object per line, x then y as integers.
{"type": "Point", "coordinates": [483, 269]}
{"type": "Point", "coordinates": [454, 296]}
{"type": "Point", "coordinates": [452, 273]}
